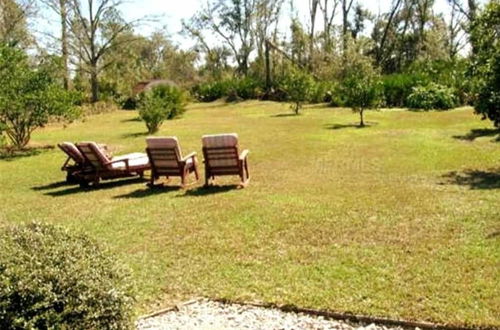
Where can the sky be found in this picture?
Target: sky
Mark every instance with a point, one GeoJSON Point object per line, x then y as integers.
{"type": "Point", "coordinates": [170, 13]}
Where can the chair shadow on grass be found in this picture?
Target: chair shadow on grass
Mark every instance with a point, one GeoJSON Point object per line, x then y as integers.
{"type": "Point", "coordinates": [53, 185]}
{"type": "Point", "coordinates": [475, 179]}
{"type": "Point", "coordinates": [480, 132]}
{"type": "Point", "coordinates": [76, 189]}
{"type": "Point", "coordinates": [210, 190]}
{"type": "Point", "coordinates": [149, 191]}
{"type": "Point", "coordinates": [356, 125]}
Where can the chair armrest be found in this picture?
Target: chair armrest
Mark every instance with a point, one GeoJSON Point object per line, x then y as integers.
{"type": "Point", "coordinates": [244, 154]}
{"type": "Point", "coordinates": [125, 160]}
{"type": "Point", "coordinates": [191, 155]}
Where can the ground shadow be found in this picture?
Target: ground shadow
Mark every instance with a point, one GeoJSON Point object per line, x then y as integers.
{"type": "Point", "coordinates": [131, 120]}
{"type": "Point", "coordinates": [9, 154]}
{"type": "Point", "coordinates": [281, 115]}
{"type": "Point", "coordinates": [103, 186]}
{"type": "Point", "coordinates": [53, 185]}
{"type": "Point", "coordinates": [475, 179]}
{"type": "Point", "coordinates": [149, 191]}
{"type": "Point", "coordinates": [342, 126]}
{"type": "Point", "coordinates": [480, 132]}
{"type": "Point", "coordinates": [210, 190]}
{"type": "Point", "coordinates": [134, 135]}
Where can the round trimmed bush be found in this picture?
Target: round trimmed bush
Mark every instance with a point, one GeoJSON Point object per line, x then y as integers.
{"type": "Point", "coordinates": [53, 279]}
{"type": "Point", "coordinates": [161, 103]}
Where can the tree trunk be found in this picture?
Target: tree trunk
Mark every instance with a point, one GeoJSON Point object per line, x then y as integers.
{"type": "Point", "coordinates": [94, 84]}
{"type": "Point", "coordinates": [64, 42]}
{"type": "Point", "coordinates": [362, 120]}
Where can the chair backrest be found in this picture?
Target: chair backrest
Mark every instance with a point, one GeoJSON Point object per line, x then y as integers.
{"type": "Point", "coordinates": [94, 155]}
{"type": "Point", "coordinates": [220, 150]}
{"type": "Point", "coordinates": [72, 152]}
{"type": "Point", "coordinates": [164, 153]}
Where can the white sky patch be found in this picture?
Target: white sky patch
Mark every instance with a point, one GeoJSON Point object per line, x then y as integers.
{"type": "Point", "coordinates": [168, 15]}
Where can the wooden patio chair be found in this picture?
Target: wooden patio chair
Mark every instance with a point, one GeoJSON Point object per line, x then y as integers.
{"type": "Point", "coordinates": [105, 167]}
{"type": "Point", "coordinates": [166, 159]}
{"type": "Point", "coordinates": [221, 157]}
{"type": "Point", "coordinates": [75, 162]}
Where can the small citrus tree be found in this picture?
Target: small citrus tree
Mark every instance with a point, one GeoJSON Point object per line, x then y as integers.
{"type": "Point", "coordinates": [485, 66]}
{"type": "Point", "coordinates": [299, 87]}
{"type": "Point", "coordinates": [361, 87]}
{"type": "Point", "coordinates": [159, 104]}
{"type": "Point", "coordinates": [29, 97]}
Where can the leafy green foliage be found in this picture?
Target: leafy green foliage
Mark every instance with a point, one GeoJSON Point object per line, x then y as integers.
{"type": "Point", "coordinates": [432, 96]}
{"type": "Point", "coordinates": [299, 88]}
{"type": "Point", "coordinates": [361, 87]}
{"type": "Point", "coordinates": [159, 104]}
{"type": "Point", "coordinates": [485, 68]}
{"type": "Point", "coordinates": [29, 98]}
{"type": "Point", "coordinates": [211, 91]}
{"type": "Point", "coordinates": [397, 88]}
{"type": "Point", "coordinates": [51, 279]}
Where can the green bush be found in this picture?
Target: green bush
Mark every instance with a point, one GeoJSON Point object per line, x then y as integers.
{"type": "Point", "coordinates": [322, 92]}
{"type": "Point", "coordinates": [397, 87]}
{"type": "Point", "coordinates": [432, 96]}
{"type": "Point", "coordinates": [53, 279]}
{"type": "Point", "coordinates": [211, 91]}
{"type": "Point", "coordinates": [159, 104]}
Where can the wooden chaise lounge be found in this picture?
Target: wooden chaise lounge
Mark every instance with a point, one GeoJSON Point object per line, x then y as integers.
{"type": "Point", "coordinates": [221, 157]}
{"type": "Point", "coordinates": [166, 159]}
{"type": "Point", "coordinates": [75, 163]}
{"type": "Point", "coordinates": [105, 167]}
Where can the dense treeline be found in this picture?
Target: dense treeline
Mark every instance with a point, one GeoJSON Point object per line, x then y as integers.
{"type": "Point", "coordinates": [415, 56]}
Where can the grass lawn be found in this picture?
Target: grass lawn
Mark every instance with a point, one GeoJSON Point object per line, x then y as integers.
{"type": "Point", "coordinates": [400, 219]}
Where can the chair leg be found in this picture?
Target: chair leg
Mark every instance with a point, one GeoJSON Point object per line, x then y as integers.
{"type": "Point", "coordinates": [196, 174]}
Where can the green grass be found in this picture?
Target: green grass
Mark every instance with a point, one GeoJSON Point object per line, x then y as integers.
{"type": "Point", "coordinates": [400, 219]}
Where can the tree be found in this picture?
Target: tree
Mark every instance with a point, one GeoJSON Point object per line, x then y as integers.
{"type": "Point", "coordinates": [159, 104]}
{"type": "Point", "coordinates": [485, 69]}
{"type": "Point", "coordinates": [233, 22]}
{"type": "Point", "coordinates": [298, 86]}
{"type": "Point", "coordinates": [61, 8]}
{"type": "Point", "coordinates": [361, 85]}
{"type": "Point", "coordinates": [28, 98]}
{"type": "Point", "coordinates": [95, 32]}
{"type": "Point", "coordinates": [13, 18]}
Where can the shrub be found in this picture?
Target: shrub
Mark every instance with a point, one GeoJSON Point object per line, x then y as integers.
{"type": "Point", "coordinates": [159, 104]}
{"type": "Point", "coordinates": [211, 91]}
{"type": "Point", "coordinates": [53, 279]}
{"type": "Point", "coordinates": [299, 87]}
{"type": "Point", "coordinates": [246, 88]}
{"type": "Point", "coordinates": [322, 92]}
{"type": "Point", "coordinates": [432, 96]}
{"type": "Point", "coordinates": [397, 87]}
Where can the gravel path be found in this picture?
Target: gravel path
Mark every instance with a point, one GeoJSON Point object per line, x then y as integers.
{"type": "Point", "coordinates": [207, 314]}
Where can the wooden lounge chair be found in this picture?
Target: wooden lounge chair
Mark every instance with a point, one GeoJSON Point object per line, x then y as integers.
{"type": "Point", "coordinates": [105, 167]}
{"type": "Point", "coordinates": [222, 158]}
{"type": "Point", "coordinates": [75, 162]}
{"type": "Point", "coordinates": [166, 159]}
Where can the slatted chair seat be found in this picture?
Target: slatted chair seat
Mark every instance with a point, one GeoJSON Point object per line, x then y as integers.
{"type": "Point", "coordinates": [222, 157]}
{"type": "Point", "coordinates": [166, 159]}
{"type": "Point", "coordinates": [106, 167]}
{"type": "Point", "coordinates": [75, 162]}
